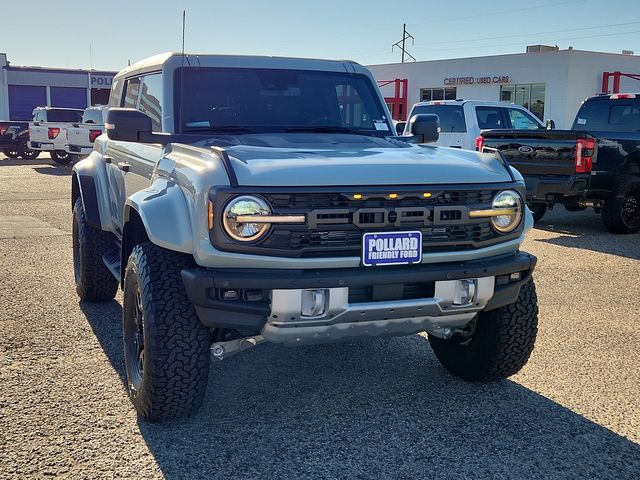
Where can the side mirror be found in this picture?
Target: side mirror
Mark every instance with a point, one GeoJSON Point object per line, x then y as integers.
{"type": "Point", "coordinates": [400, 128]}
{"type": "Point", "coordinates": [425, 127]}
{"type": "Point", "coordinates": [551, 125]}
{"type": "Point", "coordinates": [126, 124]}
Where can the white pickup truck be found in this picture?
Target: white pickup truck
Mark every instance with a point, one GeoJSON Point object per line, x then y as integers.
{"type": "Point", "coordinates": [80, 137]}
{"type": "Point", "coordinates": [45, 131]}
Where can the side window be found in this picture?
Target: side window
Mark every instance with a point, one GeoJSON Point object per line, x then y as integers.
{"type": "Point", "coordinates": [132, 89]}
{"type": "Point", "coordinates": [489, 117]}
{"type": "Point", "coordinates": [521, 120]}
{"type": "Point", "coordinates": [625, 118]}
{"type": "Point", "coordinates": [151, 99]}
{"type": "Point", "coordinates": [115, 94]}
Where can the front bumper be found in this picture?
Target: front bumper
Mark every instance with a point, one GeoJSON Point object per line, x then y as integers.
{"type": "Point", "coordinates": [269, 300]}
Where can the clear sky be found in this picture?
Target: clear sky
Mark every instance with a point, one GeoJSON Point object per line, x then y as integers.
{"type": "Point", "coordinates": [62, 33]}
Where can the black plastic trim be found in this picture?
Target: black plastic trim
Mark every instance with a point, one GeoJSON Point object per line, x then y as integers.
{"type": "Point", "coordinates": [89, 200]}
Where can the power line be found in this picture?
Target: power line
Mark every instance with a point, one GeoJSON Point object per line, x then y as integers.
{"type": "Point", "coordinates": [400, 43]}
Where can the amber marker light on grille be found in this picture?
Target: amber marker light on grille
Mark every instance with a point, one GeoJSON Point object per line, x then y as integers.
{"type": "Point", "coordinates": [210, 215]}
{"type": "Point", "coordinates": [357, 196]}
{"type": "Point", "coordinates": [426, 195]}
{"type": "Point", "coordinates": [393, 195]}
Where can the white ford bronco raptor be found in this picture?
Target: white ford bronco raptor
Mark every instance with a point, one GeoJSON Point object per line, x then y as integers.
{"type": "Point", "coordinates": [241, 199]}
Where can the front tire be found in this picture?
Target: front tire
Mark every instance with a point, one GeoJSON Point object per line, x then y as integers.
{"type": "Point", "coordinates": [500, 345]}
{"type": "Point", "coordinates": [29, 154]}
{"type": "Point", "coordinates": [621, 213]}
{"type": "Point", "coordinates": [60, 157]}
{"type": "Point", "coordinates": [94, 281]}
{"type": "Point", "coordinates": [167, 348]}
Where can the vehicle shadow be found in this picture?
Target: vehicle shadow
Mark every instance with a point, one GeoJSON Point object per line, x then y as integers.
{"type": "Point", "coordinates": [585, 231]}
{"type": "Point", "coordinates": [54, 169]}
{"type": "Point", "coordinates": [377, 409]}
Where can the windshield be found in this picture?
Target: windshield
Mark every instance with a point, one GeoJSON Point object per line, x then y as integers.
{"type": "Point", "coordinates": [64, 116]}
{"type": "Point", "coordinates": [246, 100]}
{"type": "Point", "coordinates": [609, 115]}
{"type": "Point", "coordinates": [451, 116]}
{"type": "Point", "coordinates": [92, 115]}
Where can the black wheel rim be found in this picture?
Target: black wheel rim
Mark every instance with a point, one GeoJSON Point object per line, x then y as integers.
{"type": "Point", "coordinates": [12, 153]}
{"type": "Point", "coordinates": [62, 155]}
{"type": "Point", "coordinates": [29, 154]}
{"type": "Point", "coordinates": [631, 207]}
{"type": "Point", "coordinates": [134, 339]}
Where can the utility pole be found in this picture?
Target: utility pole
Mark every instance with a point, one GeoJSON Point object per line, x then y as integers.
{"type": "Point", "coordinates": [401, 43]}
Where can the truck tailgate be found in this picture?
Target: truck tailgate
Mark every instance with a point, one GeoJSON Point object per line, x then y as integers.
{"type": "Point", "coordinates": [533, 152]}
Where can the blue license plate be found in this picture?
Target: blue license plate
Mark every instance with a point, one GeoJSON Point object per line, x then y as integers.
{"type": "Point", "coordinates": [391, 248]}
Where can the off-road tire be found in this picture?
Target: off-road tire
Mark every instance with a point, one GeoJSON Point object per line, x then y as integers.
{"type": "Point", "coordinates": [60, 157]}
{"type": "Point", "coordinates": [94, 281]}
{"type": "Point", "coordinates": [175, 344]}
{"type": "Point", "coordinates": [11, 153]}
{"type": "Point", "coordinates": [538, 210]}
{"type": "Point", "coordinates": [500, 345]}
{"type": "Point", "coordinates": [29, 154]}
{"type": "Point", "coordinates": [615, 213]}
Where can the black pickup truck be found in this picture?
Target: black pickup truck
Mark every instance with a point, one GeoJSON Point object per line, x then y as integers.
{"type": "Point", "coordinates": [595, 164]}
{"type": "Point", "coordinates": [13, 140]}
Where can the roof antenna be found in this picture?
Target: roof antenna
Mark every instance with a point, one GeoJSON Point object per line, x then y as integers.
{"type": "Point", "coordinates": [184, 19]}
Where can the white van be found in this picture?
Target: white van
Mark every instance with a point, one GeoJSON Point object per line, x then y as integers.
{"type": "Point", "coordinates": [462, 120]}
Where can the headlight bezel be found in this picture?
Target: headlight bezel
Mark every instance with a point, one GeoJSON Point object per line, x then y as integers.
{"type": "Point", "coordinates": [499, 203]}
{"type": "Point", "coordinates": [231, 227]}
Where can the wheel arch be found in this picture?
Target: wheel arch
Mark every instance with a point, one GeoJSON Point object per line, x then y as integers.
{"type": "Point", "coordinates": [160, 215]}
{"type": "Point", "coordinates": [88, 182]}
{"type": "Point", "coordinates": [632, 164]}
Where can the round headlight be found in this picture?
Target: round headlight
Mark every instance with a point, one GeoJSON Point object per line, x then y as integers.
{"type": "Point", "coordinates": [511, 203]}
{"type": "Point", "coordinates": [245, 206]}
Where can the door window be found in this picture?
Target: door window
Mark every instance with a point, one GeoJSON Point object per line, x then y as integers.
{"type": "Point", "coordinates": [132, 90]}
{"type": "Point", "coordinates": [451, 116]}
{"type": "Point", "coordinates": [151, 98]}
{"type": "Point", "coordinates": [489, 117]}
{"type": "Point", "coordinates": [521, 120]}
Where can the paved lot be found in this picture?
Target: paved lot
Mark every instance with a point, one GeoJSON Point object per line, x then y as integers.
{"type": "Point", "coordinates": [382, 409]}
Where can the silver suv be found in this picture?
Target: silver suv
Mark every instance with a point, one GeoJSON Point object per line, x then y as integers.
{"type": "Point", "coordinates": [238, 200]}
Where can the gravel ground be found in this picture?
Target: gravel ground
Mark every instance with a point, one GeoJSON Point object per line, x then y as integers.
{"type": "Point", "coordinates": [381, 409]}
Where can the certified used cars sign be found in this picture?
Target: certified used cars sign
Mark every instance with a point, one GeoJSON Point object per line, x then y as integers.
{"type": "Point", "coordinates": [391, 248]}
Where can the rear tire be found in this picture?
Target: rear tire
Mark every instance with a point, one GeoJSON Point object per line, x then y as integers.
{"type": "Point", "coordinates": [166, 347]}
{"type": "Point", "coordinates": [94, 281]}
{"type": "Point", "coordinates": [621, 212]}
{"type": "Point", "coordinates": [11, 153]}
{"type": "Point", "coordinates": [538, 210]}
{"type": "Point", "coordinates": [60, 157]}
{"type": "Point", "coordinates": [500, 345]}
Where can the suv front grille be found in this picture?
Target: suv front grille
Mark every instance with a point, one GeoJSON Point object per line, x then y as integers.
{"type": "Point", "coordinates": [336, 221]}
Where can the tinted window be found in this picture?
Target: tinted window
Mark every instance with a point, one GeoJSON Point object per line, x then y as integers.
{"type": "Point", "coordinates": [451, 116]}
{"type": "Point", "coordinates": [116, 93]}
{"type": "Point", "coordinates": [69, 116]}
{"type": "Point", "coordinates": [489, 117]}
{"type": "Point", "coordinates": [609, 115]}
{"type": "Point", "coordinates": [132, 89]}
{"type": "Point", "coordinates": [273, 100]}
{"type": "Point", "coordinates": [151, 98]}
{"type": "Point", "coordinates": [521, 120]}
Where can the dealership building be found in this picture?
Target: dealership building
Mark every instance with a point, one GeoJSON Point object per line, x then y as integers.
{"type": "Point", "coordinates": [550, 82]}
{"type": "Point", "coordinates": [24, 88]}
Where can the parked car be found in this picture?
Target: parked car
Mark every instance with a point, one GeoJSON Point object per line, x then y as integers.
{"type": "Point", "coordinates": [595, 164]}
{"type": "Point", "coordinates": [13, 140]}
{"type": "Point", "coordinates": [46, 127]}
{"type": "Point", "coordinates": [462, 120]}
{"type": "Point", "coordinates": [80, 136]}
{"type": "Point", "coordinates": [245, 199]}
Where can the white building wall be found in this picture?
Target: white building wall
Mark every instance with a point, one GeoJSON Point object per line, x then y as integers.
{"type": "Point", "coordinates": [569, 77]}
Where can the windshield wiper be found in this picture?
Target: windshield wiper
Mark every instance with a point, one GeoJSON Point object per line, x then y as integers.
{"type": "Point", "coordinates": [219, 129]}
{"type": "Point", "coordinates": [325, 129]}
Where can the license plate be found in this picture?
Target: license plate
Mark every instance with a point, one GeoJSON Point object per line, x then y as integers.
{"type": "Point", "coordinates": [391, 248]}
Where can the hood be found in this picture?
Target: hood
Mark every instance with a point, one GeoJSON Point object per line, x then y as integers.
{"type": "Point", "coordinates": [300, 159]}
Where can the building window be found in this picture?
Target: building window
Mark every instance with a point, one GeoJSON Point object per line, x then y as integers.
{"type": "Point", "coordinates": [445, 93]}
{"type": "Point", "coordinates": [529, 95]}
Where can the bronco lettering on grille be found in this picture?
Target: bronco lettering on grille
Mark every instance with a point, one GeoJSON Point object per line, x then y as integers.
{"type": "Point", "coordinates": [387, 217]}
